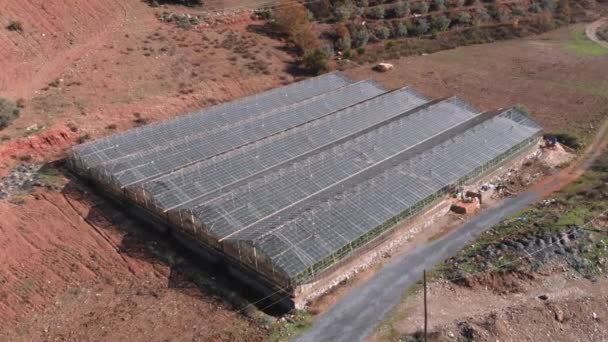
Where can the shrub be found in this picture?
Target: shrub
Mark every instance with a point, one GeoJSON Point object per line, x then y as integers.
{"type": "Point", "coordinates": [400, 30]}
{"type": "Point", "coordinates": [321, 9]}
{"type": "Point", "coordinates": [464, 18]}
{"type": "Point", "coordinates": [343, 12]}
{"type": "Point", "coordinates": [15, 26]}
{"type": "Point", "coordinates": [382, 32]}
{"type": "Point", "coordinates": [481, 14]}
{"type": "Point", "coordinates": [422, 26]}
{"type": "Point", "coordinates": [441, 23]}
{"type": "Point", "coordinates": [156, 3]}
{"type": "Point", "coordinates": [459, 3]}
{"type": "Point", "coordinates": [548, 5]}
{"type": "Point", "coordinates": [401, 9]}
{"type": "Point", "coordinates": [439, 5]}
{"type": "Point", "coordinates": [293, 21]}
{"type": "Point", "coordinates": [263, 13]}
{"type": "Point", "coordinates": [8, 112]}
{"type": "Point", "coordinates": [535, 7]}
{"type": "Point", "coordinates": [342, 41]}
{"type": "Point", "coordinates": [361, 50]}
{"type": "Point", "coordinates": [316, 61]}
{"type": "Point", "coordinates": [362, 3]}
{"type": "Point", "coordinates": [517, 10]}
{"type": "Point", "coordinates": [360, 37]}
{"type": "Point", "coordinates": [183, 22]}
{"type": "Point", "coordinates": [422, 7]}
{"type": "Point", "coordinates": [376, 12]}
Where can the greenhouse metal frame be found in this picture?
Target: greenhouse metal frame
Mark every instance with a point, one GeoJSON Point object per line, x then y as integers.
{"type": "Point", "coordinates": [290, 183]}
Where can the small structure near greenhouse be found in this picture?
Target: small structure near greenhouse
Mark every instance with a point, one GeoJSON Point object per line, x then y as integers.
{"type": "Point", "coordinates": [286, 186]}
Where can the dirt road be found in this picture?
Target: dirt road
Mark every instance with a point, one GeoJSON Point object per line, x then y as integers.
{"type": "Point", "coordinates": [358, 314]}
{"type": "Point", "coordinates": [591, 31]}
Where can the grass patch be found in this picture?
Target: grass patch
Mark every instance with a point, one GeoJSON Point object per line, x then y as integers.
{"type": "Point", "coordinates": [301, 322]}
{"type": "Point", "coordinates": [581, 45]}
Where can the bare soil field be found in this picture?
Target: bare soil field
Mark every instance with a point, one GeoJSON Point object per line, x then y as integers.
{"type": "Point", "coordinates": [556, 76]}
{"type": "Point", "coordinates": [554, 305]}
{"type": "Point", "coordinates": [95, 67]}
{"type": "Point", "coordinates": [75, 268]}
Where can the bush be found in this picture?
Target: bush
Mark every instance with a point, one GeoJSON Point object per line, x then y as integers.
{"type": "Point", "coordinates": [400, 30]}
{"type": "Point", "coordinates": [517, 11]}
{"type": "Point", "coordinates": [8, 112]}
{"type": "Point", "coordinates": [382, 32]}
{"type": "Point", "coordinates": [362, 3]}
{"type": "Point", "coordinates": [293, 21]}
{"type": "Point", "coordinates": [439, 5]}
{"type": "Point", "coordinates": [376, 12]}
{"type": "Point", "coordinates": [360, 37]}
{"type": "Point", "coordinates": [422, 26]}
{"type": "Point", "coordinates": [15, 26]}
{"type": "Point", "coordinates": [343, 12]}
{"type": "Point", "coordinates": [342, 40]}
{"type": "Point", "coordinates": [156, 3]}
{"type": "Point", "coordinates": [464, 18]}
{"type": "Point", "coordinates": [401, 9]}
{"type": "Point", "coordinates": [316, 61]}
{"type": "Point", "coordinates": [422, 7]}
{"type": "Point", "coordinates": [535, 7]}
{"type": "Point", "coordinates": [441, 23]}
{"type": "Point", "coordinates": [548, 5]}
{"type": "Point", "coordinates": [321, 9]}
{"type": "Point", "coordinates": [481, 14]}
{"type": "Point", "coordinates": [361, 50]}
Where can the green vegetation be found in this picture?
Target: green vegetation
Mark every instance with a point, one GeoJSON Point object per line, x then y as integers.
{"type": "Point", "coordinates": [582, 46]}
{"type": "Point", "coordinates": [15, 26]}
{"type": "Point", "coordinates": [293, 21]}
{"type": "Point", "coordinates": [285, 331]}
{"type": "Point", "coordinates": [575, 205]}
{"type": "Point", "coordinates": [8, 112]}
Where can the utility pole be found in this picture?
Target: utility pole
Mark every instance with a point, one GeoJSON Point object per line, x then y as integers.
{"type": "Point", "coordinates": [425, 312]}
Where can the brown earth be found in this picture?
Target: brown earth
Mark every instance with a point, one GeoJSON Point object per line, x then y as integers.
{"type": "Point", "coordinates": [562, 88]}
{"type": "Point", "coordinates": [73, 269]}
{"type": "Point", "coordinates": [84, 66]}
{"type": "Point", "coordinates": [509, 309]}
{"type": "Point", "coordinates": [69, 269]}
{"type": "Point", "coordinates": [76, 268]}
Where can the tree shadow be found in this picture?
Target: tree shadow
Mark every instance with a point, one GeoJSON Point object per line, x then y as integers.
{"type": "Point", "coordinates": [187, 271]}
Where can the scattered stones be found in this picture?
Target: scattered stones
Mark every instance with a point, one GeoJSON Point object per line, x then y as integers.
{"type": "Point", "coordinates": [23, 179]}
{"type": "Point", "coordinates": [20, 179]}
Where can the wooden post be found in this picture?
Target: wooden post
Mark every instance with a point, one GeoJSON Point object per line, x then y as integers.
{"type": "Point", "coordinates": [425, 311]}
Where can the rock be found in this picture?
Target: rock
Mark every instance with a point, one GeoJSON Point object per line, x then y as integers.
{"type": "Point", "coordinates": [450, 334]}
{"type": "Point", "coordinates": [559, 315]}
{"type": "Point", "coordinates": [595, 316]}
{"type": "Point", "coordinates": [543, 297]}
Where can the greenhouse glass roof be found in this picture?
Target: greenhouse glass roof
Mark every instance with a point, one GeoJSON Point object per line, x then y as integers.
{"type": "Point", "coordinates": [301, 172]}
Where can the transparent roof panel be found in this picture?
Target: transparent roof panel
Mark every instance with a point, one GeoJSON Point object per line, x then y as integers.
{"type": "Point", "coordinates": [145, 165]}
{"type": "Point", "coordinates": [153, 135]}
{"type": "Point", "coordinates": [202, 181]}
{"type": "Point", "coordinates": [345, 214]}
{"type": "Point", "coordinates": [296, 180]}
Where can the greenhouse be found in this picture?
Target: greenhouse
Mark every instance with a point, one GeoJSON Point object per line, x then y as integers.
{"type": "Point", "coordinates": [288, 183]}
